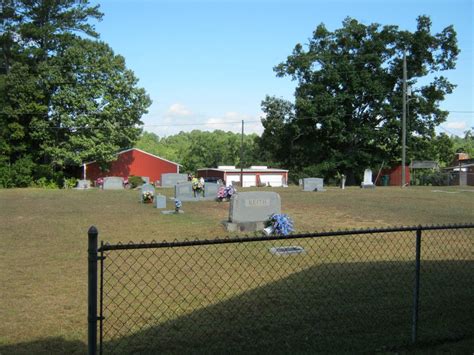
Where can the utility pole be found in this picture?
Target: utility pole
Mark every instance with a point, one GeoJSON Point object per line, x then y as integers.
{"type": "Point", "coordinates": [242, 157]}
{"type": "Point", "coordinates": [404, 118]}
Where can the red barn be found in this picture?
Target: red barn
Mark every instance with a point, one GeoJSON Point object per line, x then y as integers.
{"type": "Point", "coordinates": [135, 162]}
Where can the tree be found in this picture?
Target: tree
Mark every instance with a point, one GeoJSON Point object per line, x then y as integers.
{"type": "Point", "coordinates": [66, 97]}
{"type": "Point", "coordinates": [200, 149]}
{"type": "Point", "coordinates": [348, 101]}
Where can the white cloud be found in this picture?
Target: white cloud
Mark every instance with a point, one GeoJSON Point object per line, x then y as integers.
{"type": "Point", "coordinates": [456, 125]}
{"type": "Point", "coordinates": [232, 121]}
{"type": "Point", "coordinates": [179, 118]}
{"type": "Point", "coordinates": [178, 109]}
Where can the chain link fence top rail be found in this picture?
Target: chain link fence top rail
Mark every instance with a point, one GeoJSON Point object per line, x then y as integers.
{"type": "Point", "coordinates": [324, 292]}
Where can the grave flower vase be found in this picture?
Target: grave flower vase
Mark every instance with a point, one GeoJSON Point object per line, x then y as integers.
{"type": "Point", "coordinates": [268, 231]}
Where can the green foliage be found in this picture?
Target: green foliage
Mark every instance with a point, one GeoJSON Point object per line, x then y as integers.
{"type": "Point", "coordinates": [66, 98]}
{"type": "Point", "coordinates": [200, 149]}
{"type": "Point", "coordinates": [348, 101]}
{"type": "Point", "coordinates": [465, 144]}
{"type": "Point", "coordinates": [69, 183]}
{"type": "Point", "coordinates": [135, 181]}
{"type": "Point", "coordinates": [45, 183]}
{"type": "Point", "coordinates": [18, 174]}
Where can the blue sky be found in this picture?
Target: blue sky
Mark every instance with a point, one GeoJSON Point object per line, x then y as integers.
{"type": "Point", "coordinates": [209, 64]}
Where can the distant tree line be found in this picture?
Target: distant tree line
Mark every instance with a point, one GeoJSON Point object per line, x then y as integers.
{"type": "Point", "coordinates": [201, 149]}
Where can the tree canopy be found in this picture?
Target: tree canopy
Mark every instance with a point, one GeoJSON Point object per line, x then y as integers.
{"type": "Point", "coordinates": [348, 101]}
{"type": "Point", "coordinates": [66, 97]}
{"type": "Point", "coordinates": [201, 149]}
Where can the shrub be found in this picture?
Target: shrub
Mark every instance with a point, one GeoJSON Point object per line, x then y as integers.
{"type": "Point", "coordinates": [45, 183]}
{"type": "Point", "coordinates": [70, 183]}
{"type": "Point", "coordinates": [135, 181]}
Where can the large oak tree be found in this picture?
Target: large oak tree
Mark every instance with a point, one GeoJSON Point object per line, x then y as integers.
{"type": "Point", "coordinates": [348, 101]}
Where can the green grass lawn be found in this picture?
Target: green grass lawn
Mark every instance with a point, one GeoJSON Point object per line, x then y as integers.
{"type": "Point", "coordinates": [43, 283]}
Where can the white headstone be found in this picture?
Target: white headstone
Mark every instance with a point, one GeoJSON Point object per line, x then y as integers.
{"type": "Point", "coordinates": [367, 183]}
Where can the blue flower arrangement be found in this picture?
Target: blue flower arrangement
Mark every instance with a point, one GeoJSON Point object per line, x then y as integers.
{"type": "Point", "coordinates": [177, 205]}
{"type": "Point", "coordinates": [280, 224]}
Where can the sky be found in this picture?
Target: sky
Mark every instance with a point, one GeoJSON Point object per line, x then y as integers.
{"type": "Point", "coordinates": [209, 64]}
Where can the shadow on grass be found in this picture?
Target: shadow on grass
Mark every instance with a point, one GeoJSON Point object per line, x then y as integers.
{"type": "Point", "coordinates": [351, 307]}
{"type": "Point", "coordinates": [328, 308]}
{"type": "Point", "coordinates": [53, 345]}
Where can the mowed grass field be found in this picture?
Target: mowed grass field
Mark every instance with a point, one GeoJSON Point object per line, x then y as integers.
{"type": "Point", "coordinates": [43, 258]}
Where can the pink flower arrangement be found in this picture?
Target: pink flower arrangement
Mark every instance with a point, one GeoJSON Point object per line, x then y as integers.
{"type": "Point", "coordinates": [99, 182]}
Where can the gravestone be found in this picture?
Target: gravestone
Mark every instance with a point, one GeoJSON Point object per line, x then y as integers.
{"type": "Point", "coordinates": [160, 201]}
{"type": "Point", "coordinates": [184, 192]}
{"type": "Point", "coordinates": [170, 180]}
{"type": "Point", "coordinates": [248, 211]}
{"type": "Point", "coordinates": [367, 183]}
{"type": "Point", "coordinates": [294, 249]}
{"type": "Point", "coordinates": [313, 184]}
{"type": "Point", "coordinates": [210, 190]}
{"type": "Point", "coordinates": [146, 188]}
{"type": "Point", "coordinates": [300, 182]}
{"type": "Point", "coordinates": [113, 183]}
{"type": "Point", "coordinates": [83, 184]}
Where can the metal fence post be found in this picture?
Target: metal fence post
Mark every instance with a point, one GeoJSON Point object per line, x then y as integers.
{"type": "Point", "coordinates": [416, 290]}
{"type": "Point", "coordinates": [92, 292]}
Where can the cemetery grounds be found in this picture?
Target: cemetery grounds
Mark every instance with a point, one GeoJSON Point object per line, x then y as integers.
{"type": "Point", "coordinates": [43, 283]}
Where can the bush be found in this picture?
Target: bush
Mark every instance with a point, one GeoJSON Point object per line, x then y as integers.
{"type": "Point", "coordinates": [45, 183]}
{"type": "Point", "coordinates": [70, 183]}
{"type": "Point", "coordinates": [135, 181]}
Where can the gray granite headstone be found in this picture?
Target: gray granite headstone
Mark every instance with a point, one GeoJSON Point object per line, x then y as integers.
{"type": "Point", "coordinates": [113, 183]}
{"type": "Point", "coordinates": [254, 206]}
{"type": "Point", "coordinates": [210, 190]}
{"type": "Point", "coordinates": [83, 184]}
{"type": "Point", "coordinates": [313, 184]}
{"type": "Point", "coordinates": [184, 191]}
{"type": "Point", "coordinates": [160, 201]}
{"type": "Point", "coordinates": [170, 180]}
{"type": "Point", "coordinates": [145, 188]}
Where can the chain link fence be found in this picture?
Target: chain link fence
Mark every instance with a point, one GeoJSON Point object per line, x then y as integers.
{"type": "Point", "coordinates": [338, 291]}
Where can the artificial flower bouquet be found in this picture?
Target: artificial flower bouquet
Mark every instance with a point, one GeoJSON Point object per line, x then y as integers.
{"type": "Point", "coordinates": [177, 205]}
{"type": "Point", "coordinates": [198, 187]}
{"type": "Point", "coordinates": [147, 197]}
{"type": "Point", "coordinates": [225, 193]}
{"type": "Point", "coordinates": [99, 182]}
{"type": "Point", "coordinates": [279, 224]}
